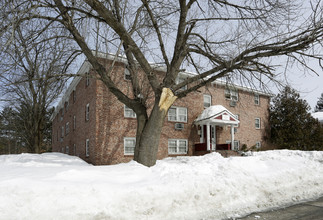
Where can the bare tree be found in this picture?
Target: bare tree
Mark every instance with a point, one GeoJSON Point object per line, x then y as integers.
{"type": "Point", "coordinates": [32, 69]}
{"type": "Point", "coordinates": [215, 38]}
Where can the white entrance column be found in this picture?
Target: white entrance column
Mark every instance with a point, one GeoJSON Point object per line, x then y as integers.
{"type": "Point", "coordinates": [208, 136]}
{"type": "Point", "coordinates": [232, 137]}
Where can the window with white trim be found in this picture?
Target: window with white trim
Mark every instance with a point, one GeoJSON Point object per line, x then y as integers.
{"type": "Point", "coordinates": [87, 112]}
{"type": "Point", "coordinates": [87, 147]}
{"type": "Point", "coordinates": [74, 122]}
{"type": "Point", "coordinates": [178, 114]}
{"type": "Point", "coordinates": [258, 144]}
{"type": "Point", "coordinates": [127, 75]}
{"type": "Point", "coordinates": [129, 113]}
{"type": "Point", "coordinates": [179, 80]}
{"type": "Point", "coordinates": [87, 79]}
{"type": "Point", "coordinates": [67, 150]}
{"type": "Point", "coordinates": [129, 144]}
{"type": "Point", "coordinates": [231, 94]}
{"type": "Point", "coordinates": [257, 123]}
{"type": "Point", "coordinates": [177, 146]}
{"type": "Point", "coordinates": [236, 144]}
{"type": "Point", "coordinates": [63, 151]}
{"type": "Point", "coordinates": [67, 127]}
{"type": "Point", "coordinates": [207, 100]}
{"type": "Point", "coordinates": [62, 131]}
{"type": "Point", "coordinates": [257, 99]}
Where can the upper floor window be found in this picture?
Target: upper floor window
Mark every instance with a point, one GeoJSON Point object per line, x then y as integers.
{"type": "Point", "coordinates": [207, 100]}
{"type": "Point", "coordinates": [127, 75]}
{"type": "Point", "coordinates": [231, 94]}
{"type": "Point", "coordinates": [62, 134]}
{"type": "Point", "coordinates": [87, 79]}
{"type": "Point", "coordinates": [179, 80]}
{"type": "Point", "coordinates": [177, 146]}
{"type": "Point", "coordinates": [74, 122]}
{"type": "Point", "coordinates": [74, 95]}
{"type": "Point", "coordinates": [257, 123]}
{"type": "Point", "coordinates": [129, 144]}
{"type": "Point", "coordinates": [67, 127]}
{"type": "Point", "coordinates": [87, 112]}
{"type": "Point", "coordinates": [178, 114]}
{"type": "Point", "coordinates": [257, 99]}
{"type": "Point", "coordinates": [66, 105]}
{"type": "Point", "coordinates": [128, 112]}
{"type": "Point", "coordinates": [87, 147]}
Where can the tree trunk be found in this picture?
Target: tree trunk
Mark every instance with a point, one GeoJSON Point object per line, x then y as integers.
{"type": "Point", "coordinates": [148, 131]}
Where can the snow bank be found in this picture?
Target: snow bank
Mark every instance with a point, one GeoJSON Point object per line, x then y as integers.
{"type": "Point", "coordinates": [57, 186]}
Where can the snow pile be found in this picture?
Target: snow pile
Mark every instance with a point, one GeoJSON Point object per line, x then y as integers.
{"type": "Point", "coordinates": [57, 186]}
{"type": "Point", "coordinates": [318, 115]}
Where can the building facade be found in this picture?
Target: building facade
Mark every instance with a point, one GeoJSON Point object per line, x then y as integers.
{"type": "Point", "coordinates": [91, 123]}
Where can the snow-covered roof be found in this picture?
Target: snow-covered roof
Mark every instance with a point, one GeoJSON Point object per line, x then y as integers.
{"type": "Point", "coordinates": [318, 115]}
{"type": "Point", "coordinates": [216, 114]}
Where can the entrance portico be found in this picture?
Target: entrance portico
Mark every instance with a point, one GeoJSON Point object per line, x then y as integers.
{"type": "Point", "coordinates": [213, 116]}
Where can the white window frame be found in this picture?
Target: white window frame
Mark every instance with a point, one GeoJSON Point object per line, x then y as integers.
{"type": "Point", "coordinates": [258, 145]}
{"type": "Point", "coordinates": [177, 142]}
{"type": "Point", "coordinates": [128, 112]}
{"type": "Point", "coordinates": [67, 150]}
{"type": "Point", "coordinates": [127, 75]}
{"type": "Point", "coordinates": [74, 122]}
{"type": "Point", "coordinates": [180, 79]}
{"type": "Point", "coordinates": [177, 117]}
{"type": "Point", "coordinates": [67, 127]}
{"type": "Point", "coordinates": [257, 124]}
{"type": "Point", "coordinates": [126, 140]}
{"type": "Point", "coordinates": [236, 144]}
{"type": "Point", "coordinates": [87, 112]}
{"type": "Point", "coordinates": [87, 147]}
{"type": "Point", "coordinates": [87, 78]}
{"type": "Point", "coordinates": [207, 100]}
{"type": "Point", "coordinates": [230, 94]}
{"type": "Point", "coordinates": [257, 99]}
{"type": "Point", "coordinates": [63, 150]}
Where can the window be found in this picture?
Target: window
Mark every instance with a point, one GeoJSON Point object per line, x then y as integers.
{"type": "Point", "coordinates": [74, 146]}
{"type": "Point", "coordinates": [257, 123]}
{"type": "Point", "coordinates": [129, 144]}
{"type": "Point", "coordinates": [237, 117]}
{"type": "Point", "coordinates": [62, 131]}
{"type": "Point", "coordinates": [66, 105]}
{"type": "Point", "coordinates": [236, 144]}
{"type": "Point", "coordinates": [74, 122]}
{"type": "Point", "coordinates": [62, 114]}
{"type": "Point", "coordinates": [179, 80]}
{"type": "Point", "coordinates": [67, 150]}
{"type": "Point", "coordinates": [62, 151]}
{"type": "Point", "coordinates": [257, 100]}
{"type": "Point", "coordinates": [57, 134]}
{"type": "Point", "coordinates": [87, 112]}
{"type": "Point", "coordinates": [207, 100]}
{"type": "Point", "coordinates": [87, 147]}
{"type": "Point", "coordinates": [127, 75]}
{"type": "Point", "coordinates": [67, 127]}
{"type": "Point", "coordinates": [74, 96]}
{"type": "Point", "coordinates": [231, 94]}
{"type": "Point", "coordinates": [177, 146]}
{"type": "Point", "coordinates": [128, 112]}
{"type": "Point", "coordinates": [178, 114]}
{"type": "Point", "coordinates": [87, 79]}
{"type": "Point", "coordinates": [258, 144]}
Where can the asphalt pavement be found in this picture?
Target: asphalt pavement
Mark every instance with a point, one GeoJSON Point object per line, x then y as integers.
{"type": "Point", "coordinates": [312, 210]}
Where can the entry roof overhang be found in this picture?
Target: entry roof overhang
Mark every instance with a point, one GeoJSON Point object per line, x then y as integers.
{"type": "Point", "coordinates": [218, 115]}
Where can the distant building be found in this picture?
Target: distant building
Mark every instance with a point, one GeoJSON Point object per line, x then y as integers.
{"type": "Point", "coordinates": [91, 123]}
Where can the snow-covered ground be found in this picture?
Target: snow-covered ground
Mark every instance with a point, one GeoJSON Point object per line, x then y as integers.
{"type": "Point", "coordinates": [57, 186]}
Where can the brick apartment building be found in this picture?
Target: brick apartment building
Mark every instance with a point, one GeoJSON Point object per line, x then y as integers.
{"type": "Point", "coordinates": [91, 123]}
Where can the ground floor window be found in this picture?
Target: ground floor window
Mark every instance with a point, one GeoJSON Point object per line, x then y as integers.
{"type": "Point", "coordinates": [236, 145]}
{"type": "Point", "coordinates": [87, 147]}
{"type": "Point", "coordinates": [129, 144]}
{"type": "Point", "coordinates": [258, 144]}
{"type": "Point", "coordinates": [177, 146]}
